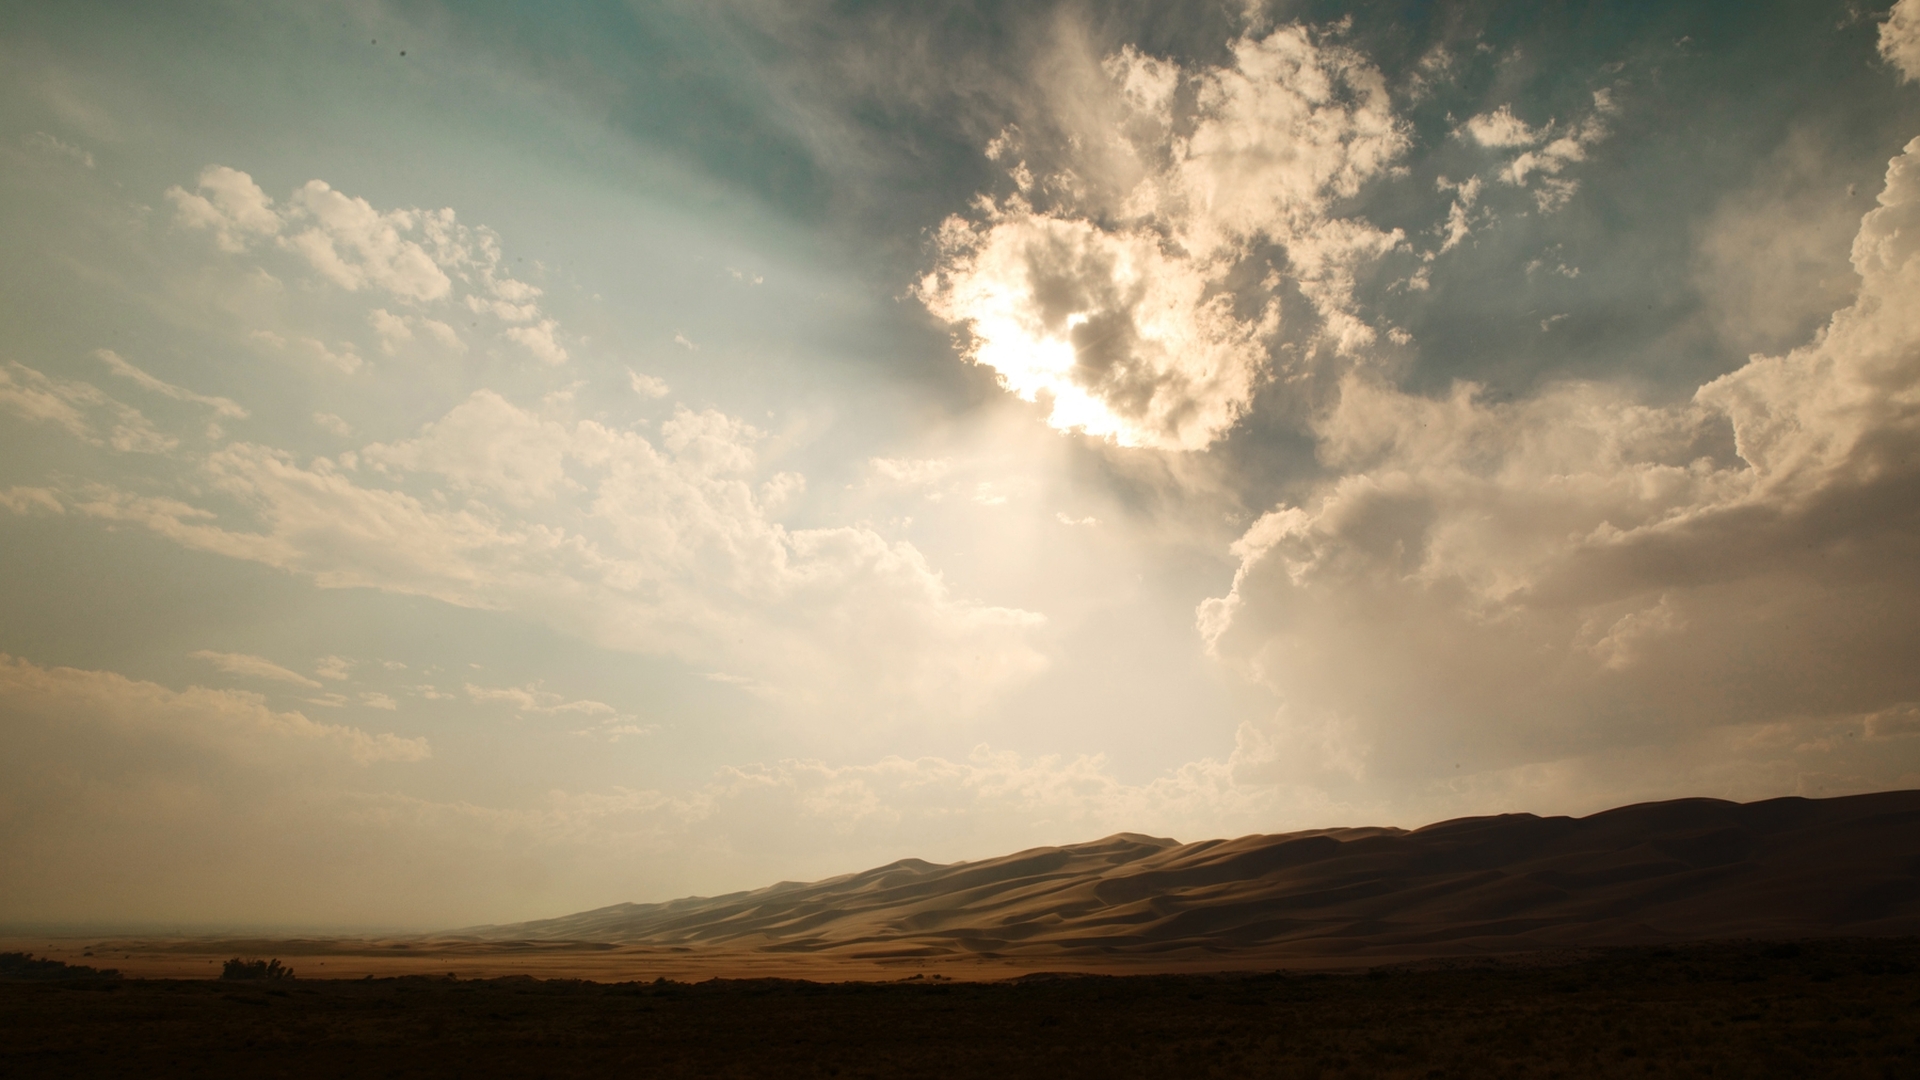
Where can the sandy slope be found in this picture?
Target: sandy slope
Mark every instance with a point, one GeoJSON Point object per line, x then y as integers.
{"type": "Point", "coordinates": [1653, 873]}
{"type": "Point", "coordinates": [1691, 868]}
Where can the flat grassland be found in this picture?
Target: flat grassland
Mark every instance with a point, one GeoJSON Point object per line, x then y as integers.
{"type": "Point", "coordinates": [1846, 1007]}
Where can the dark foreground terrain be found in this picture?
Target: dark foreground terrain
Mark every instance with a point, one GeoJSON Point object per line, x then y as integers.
{"type": "Point", "coordinates": [1745, 1009]}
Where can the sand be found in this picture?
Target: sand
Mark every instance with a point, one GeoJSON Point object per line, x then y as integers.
{"type": "Point", "coordinates": [1689, 869]}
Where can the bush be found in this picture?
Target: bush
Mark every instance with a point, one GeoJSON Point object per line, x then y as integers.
{"type": "Point", "coordinates": [19, 965]}
{"type": "Point", "coordinates": [253, 970]}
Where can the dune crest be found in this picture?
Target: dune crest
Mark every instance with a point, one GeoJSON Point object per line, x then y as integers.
{"type": "Point", "coordinates": [1665, 871]}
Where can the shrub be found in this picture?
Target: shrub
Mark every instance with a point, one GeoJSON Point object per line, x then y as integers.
{"type": "Point", "coordinates": [249, 970]}
{"type": "Point", "coordinates": [19, 965]}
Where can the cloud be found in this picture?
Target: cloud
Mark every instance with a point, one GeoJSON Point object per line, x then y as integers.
{"type": "Point", "coordinates": [647, 386]}
{"type": "Point", "coordinates": [346, 360]}
{"type": "Point", "coordinates": [1578, 573]}
{"type": "Point", "coordinates": [417, 257]}
{"type": "Point", "coordinates": [47, 144]}
{"type": "Point", "coordinates": [1900, 39]}
{"type": "Point", "coordinates": [230, 205]}
{"type": "Point", "coordinates": [119, 366]}
{"type": "Point", "coordinates": [393, 330]}
{"type": "Point", "coordinates": [30, 500]}
{"type": "Point", "coordinates": [1501, 129]}
{"type": "Point", "coordinates": [207, 796]}
{"type": "Point", "coordinates": [1539, 166]}
{"type": "Point", "coordinates": [912, 472]}
{"type": "Point", "coordinates": [662, 547]}
{"type": "Point", "coordinates": [1111, 301]}
{"type": "Point", "coordinates": [81, 409]}
{"type": "Point", "coordinates": [1458, 225]}
{"type": "Point", "coordinates": [532, 699]}
{"type": "Point", "coordinates": [332, 424]}
{"type": "Point", "coordinates": [217, 806]}
{"type": "Point", "coordinates": [229, 722]}
{"type": "Point", "coordinates": [253, 667]}
{"type": "Point", "coordinates": [396, 331]}
{"type": "Point", "coordinates": [337, 668]}
{"type": "Point", "coordinates": [539, 341]}
{"type": "Point", "coordinates": [357, 246]}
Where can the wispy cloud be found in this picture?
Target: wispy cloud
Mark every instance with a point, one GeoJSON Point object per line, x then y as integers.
{"type": "Point", "coordinates": [253, 667]}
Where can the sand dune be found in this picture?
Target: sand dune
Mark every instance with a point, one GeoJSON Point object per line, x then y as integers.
{"type": "Point", "coordinates": [1690, 868]}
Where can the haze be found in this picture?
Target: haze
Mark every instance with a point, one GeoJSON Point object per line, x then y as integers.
{"type": "Point", "coordinates": [468, 464]}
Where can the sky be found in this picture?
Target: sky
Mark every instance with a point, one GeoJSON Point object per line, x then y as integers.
{"type": "Point", "coordinates": [462, 463]}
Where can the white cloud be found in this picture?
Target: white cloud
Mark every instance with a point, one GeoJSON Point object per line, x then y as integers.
{"type": "Point", "coordinates": [81, 409]}
{"type": "Point", "coordinates": [647, 386]}
{"type": "Point", "coordinates": [539, 341]}
{"type": "Point", "coordinates": [332, 424]}
{"type": "Point", "coordinates": [119, 366]}
{"type": "Point", "coordinates": [417, 257]}
{"type": "Point", "coordinates": [1528, 582]}
{"type": "Point", "coordinates": [1501, 129]}
{"type": "Point", "coordinates": [663, 547]}
{"type": "Point", "coordinates": [256, 667]}
{"type": "Point", "coordinates": [532, 699]}
{"type": "Point", "coordinates": [1540, 166]}
{"type": "Point", "coordinates": [1114, 310]}
{"type": "Point", "coordinates": [228, 204]}
{"type": "Point", "coordinates": [393, 330]}
{"type": "Point", "coordinates": [1458, 225]}
{"type": "Point", "coordinates": [684, 342]}
{"type": "Point", "coordinates": [346, 360]}
{"type": "Point", "coordinates": [357, 246]}
{"type": "Point", "coordinates": [337, 668]}
{"type": "Point", "coordinates": [1900, 39]}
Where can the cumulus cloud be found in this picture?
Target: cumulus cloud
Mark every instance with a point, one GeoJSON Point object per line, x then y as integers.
{"type": "Point", "coordinates": [416, 257]}
{"type": "Point", "coordinates": [1900, 39]}
{"type": "Point", "coordinates": [663, 547]}
{"type": "Point", "coordinates": [1514, 585]}
{"type": "Point", "coordinates": [1111, 299]}
{"type": "Point", "coordinates": [647, 386]}
{"type": "Point", "coordinates": [1501, 129]}
{"type": "Point", "coordinates": [228, 204]}
{"type": "Point", "coordinates": [1548, 150]}
{"type": "Point", "coordinates": [357, 246]}
{"type": "Point", "coordinates": [539, 341]}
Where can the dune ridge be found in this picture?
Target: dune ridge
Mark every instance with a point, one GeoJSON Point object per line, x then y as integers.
{"type": "Point", "coordinates": [1647, 873]}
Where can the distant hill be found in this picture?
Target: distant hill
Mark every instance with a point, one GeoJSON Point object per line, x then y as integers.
{"type": "Point", "coordinates": [1653, 872]}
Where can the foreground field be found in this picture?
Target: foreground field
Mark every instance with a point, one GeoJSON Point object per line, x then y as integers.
{"type": "Point", "coordinates": [1814, 1008]}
